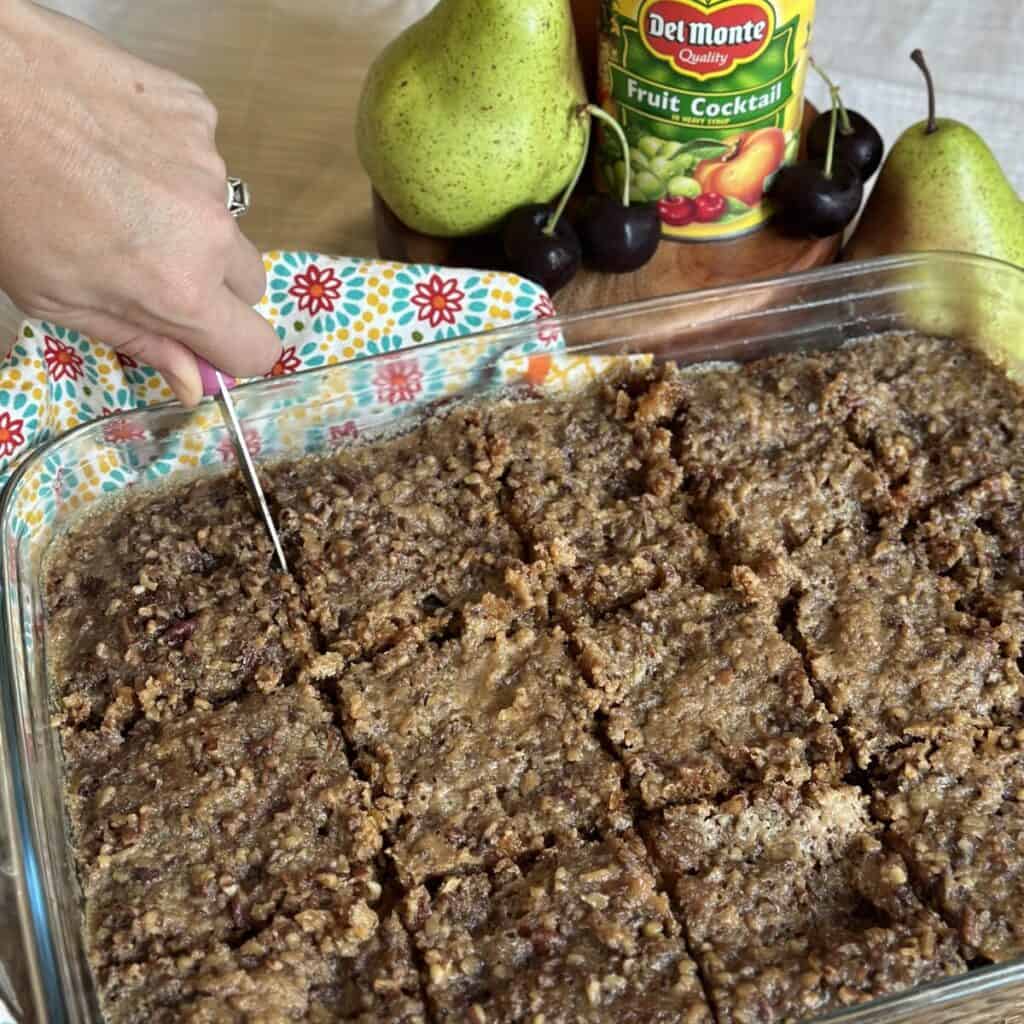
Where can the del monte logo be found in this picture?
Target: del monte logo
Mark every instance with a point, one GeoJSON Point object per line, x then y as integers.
{"type": "Point", "coordinates": [706, 42]}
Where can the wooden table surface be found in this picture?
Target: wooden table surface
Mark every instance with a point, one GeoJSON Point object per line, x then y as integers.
{"type": "Point", "coordinates": [285, 75]}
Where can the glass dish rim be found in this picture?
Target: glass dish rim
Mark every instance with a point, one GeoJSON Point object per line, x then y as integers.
{"type": "Point", "coordinates": [833, 271]}
{"type": "Point", "coordinates": [32, 912]}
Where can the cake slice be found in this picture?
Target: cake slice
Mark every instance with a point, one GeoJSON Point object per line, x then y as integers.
{"type": "Point", "coordinates": [226, 860]}
{"type": "Point", "coordinates": [936, 414]}
{"type": "Point", "coordinates": [592, 485]}
{"type": "Point", "coordinates": [397, 533]}
{"type": "Point", "coordinates": [581, 934]}
{"type": "Point", "coordinates": [791, 905]}
{"type": "Point", "coordinates": [356, 969]}
{"type": "Point", "coordinates": [775, 513]}
{"type": "Point", "coordinates": [954, 805]}
{"type": "Point", "coordinates": [175, 599]}
{"type": "Point", "coordinates": [734, 415]}
{"type": "Point", "coordinates": [203, 828]}
{"type": "Point", "coordinates": [977, 539]}
{"type": "Point", "coordinates": [704, 696]}
{"type": "Point", "coordinates": [892, 649]}
{"type": "Point", "coordinates": [482, 744]}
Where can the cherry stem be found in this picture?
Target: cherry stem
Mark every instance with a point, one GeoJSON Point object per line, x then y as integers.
{"type": "Point", "coordinates": [830, 154]}
{"type": "Point", "coordinates": [549, 228]}
{"type": "Point", "coordinates": [844, 118]}
{"type": "Point", "coordinates": [623, 142]}
{"type": "Point", "coordinates": [918, 58]}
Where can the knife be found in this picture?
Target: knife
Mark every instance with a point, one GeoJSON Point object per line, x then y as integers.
{"type": "Point", "coordinates": [216, 385]}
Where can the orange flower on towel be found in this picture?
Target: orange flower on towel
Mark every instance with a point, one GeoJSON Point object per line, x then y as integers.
{"type": "Point", "coordinates": [438, 300]}
{"type": "Point", "coordinates": [12, 433]}
{"type": "Point", "coordinates": [316, 290]}
{"type": "Point", "coordinates": [62, 361]}
{"type": "Point", "coordinates": [400, 381]}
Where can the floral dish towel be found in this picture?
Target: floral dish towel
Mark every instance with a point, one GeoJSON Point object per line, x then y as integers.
{"type": "Point", "coordinates": [325, 310]}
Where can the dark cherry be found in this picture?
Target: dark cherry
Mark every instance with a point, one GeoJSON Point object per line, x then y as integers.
{"type": "Point", "coordinates": [482, 252]}
{"type": "Point", "coordinates": [618, 238]}
{"type": "Point", "coordinates": [809, 203]}
{"type": "Point", "coordinates": [862, 148]}
{"type": "Point", "coordinates": [548, 260]}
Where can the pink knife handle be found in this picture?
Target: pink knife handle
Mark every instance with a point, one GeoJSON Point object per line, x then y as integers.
{"type": "Point", "coordinates": [208, 375]}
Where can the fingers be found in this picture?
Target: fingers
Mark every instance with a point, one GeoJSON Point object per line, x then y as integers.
{"type": "Point", "coordinates": [229, 334]}
{"type": "Point", "coordinates": [232, 336]}
{"type": "Point", "coordinates": [245, 274]}
{"type": "Point", "coordinates": [172, 360]}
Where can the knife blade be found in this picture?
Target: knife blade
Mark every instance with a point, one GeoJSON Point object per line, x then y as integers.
{"type": "Point", "coordinates": [238, 203]}
{"type": "Point", "coordinates": [245, 462]}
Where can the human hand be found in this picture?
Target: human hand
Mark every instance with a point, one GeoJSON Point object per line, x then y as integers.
{"type": "Point", "coordinates": [113, 216]}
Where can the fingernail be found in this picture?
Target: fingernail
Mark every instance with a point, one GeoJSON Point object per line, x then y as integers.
{"type": "Point", "coordinates": [208, 375]}
{"type": "Point", "coordinates": [184, 388]}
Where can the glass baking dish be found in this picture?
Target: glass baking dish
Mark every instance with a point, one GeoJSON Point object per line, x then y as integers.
{"type": "Point", "coordinates": [941, 293]}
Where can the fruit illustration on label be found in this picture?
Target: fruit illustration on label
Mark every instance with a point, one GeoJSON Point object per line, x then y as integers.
{"type": "Point", "coordinates": [710, 207]}
{"type": "Point", "coordinates": [710, 96]}
{"type": "Point", "coordinates": [677, 211]}
{"type": "Point", "coordinates": [741, 173]}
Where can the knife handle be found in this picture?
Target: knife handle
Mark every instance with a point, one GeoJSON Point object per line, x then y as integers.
{"type": "Point", "coordinates": [208, 375]}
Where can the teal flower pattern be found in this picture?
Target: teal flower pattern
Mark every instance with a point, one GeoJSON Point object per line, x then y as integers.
{"type": "Point", "coordinates": [56, 483]}
{"type": "Point", "coordinates": [324, 310]}
{"type": "Point", "coordinates": [389, 343]}
{"type": "Point", "coordinates": [329, 291]}
{"type": "Point", "coordinates": [440, 303]}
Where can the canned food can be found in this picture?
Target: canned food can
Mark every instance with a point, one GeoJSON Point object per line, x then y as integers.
{"type": "Point", "coordinates": [710, 96]}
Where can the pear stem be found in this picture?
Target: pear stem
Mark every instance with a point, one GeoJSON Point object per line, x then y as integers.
{"type": "Point", "coordinates": [623, 142]}
{"type": "Point", "coordinates": [844, 118]}
{"type": "Point", "coordinates": [918, 58]}
{"type": "Point", "coordinates": [833, 125]}
{"type": "Point", "coordinates": [549, 228]}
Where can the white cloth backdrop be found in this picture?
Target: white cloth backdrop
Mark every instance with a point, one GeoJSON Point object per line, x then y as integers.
{"type": "Point", "coordinates": [976, 49]}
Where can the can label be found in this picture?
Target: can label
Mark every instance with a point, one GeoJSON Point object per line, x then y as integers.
{"type": "Point", "coordinates": [710, 95]}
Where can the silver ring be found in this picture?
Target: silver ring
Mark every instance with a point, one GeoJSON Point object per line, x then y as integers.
{"type": "Point", "coordinates": [238, 197]}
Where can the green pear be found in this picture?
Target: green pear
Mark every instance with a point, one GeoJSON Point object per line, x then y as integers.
{"type": "Point", "coordinates": [472, 112]}
{"type": "Point", "coordinates": [941, 188]}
